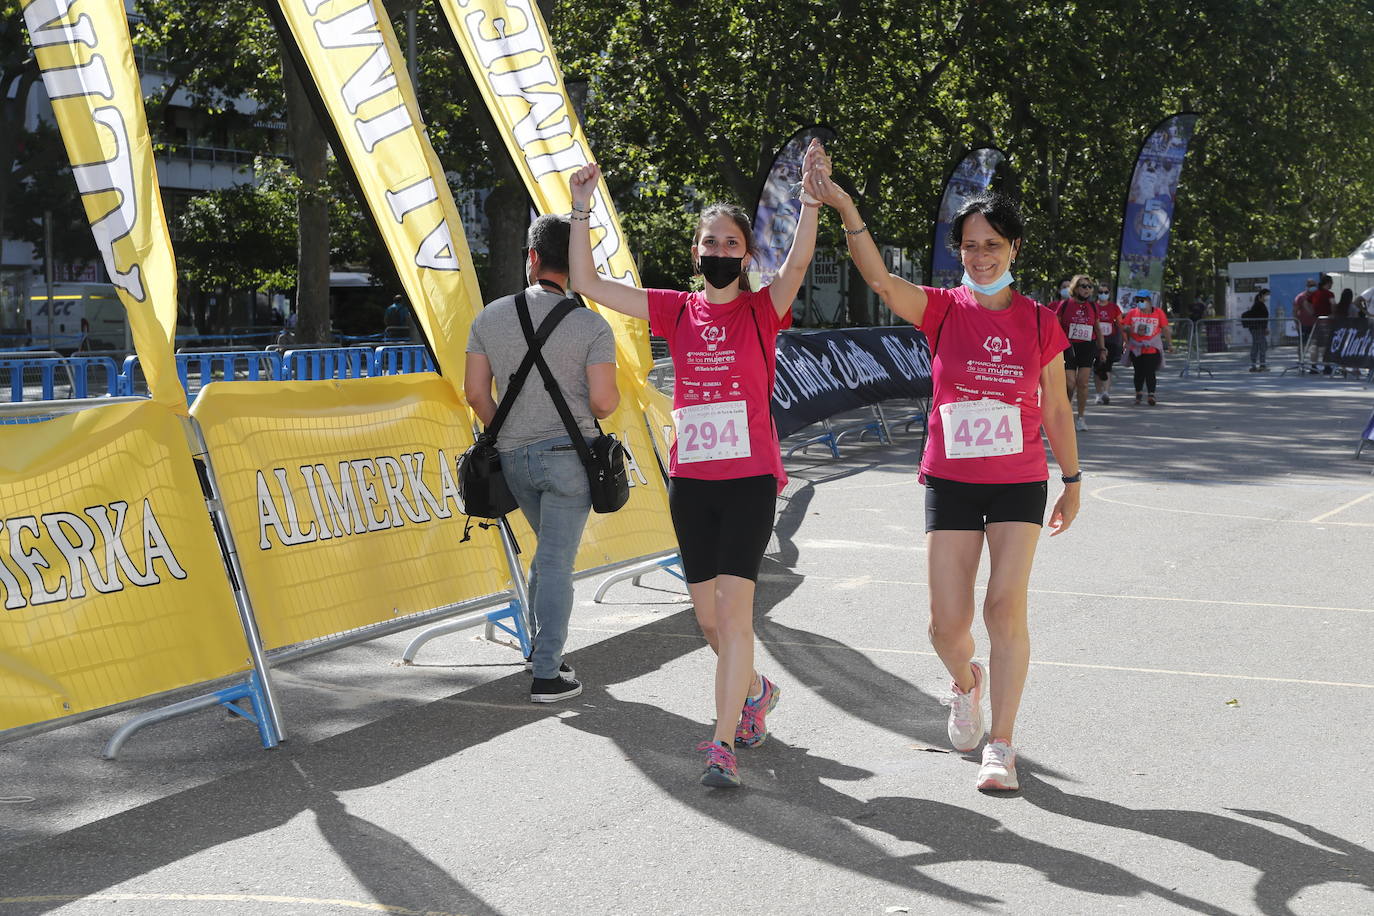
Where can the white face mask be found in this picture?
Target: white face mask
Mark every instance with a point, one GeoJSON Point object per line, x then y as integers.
{"type": "Point", "coordinates": [1063, 292]}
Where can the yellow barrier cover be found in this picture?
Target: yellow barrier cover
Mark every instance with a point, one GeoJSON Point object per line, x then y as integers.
{"type": "Point", "coordinates": [507, 48]}
{"type": "Point", "coordinates": [350, 51]}
{"type": "Point", "coordinates": [87, 60]}
{"type": "Point", "coordinates": [112, 580]}
{"type": "Point", "coordinates": [342, 498]}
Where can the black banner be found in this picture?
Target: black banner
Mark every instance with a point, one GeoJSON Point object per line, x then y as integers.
{"type": "Point", "coordinates": [822, 373]}
{"type": "Point", "coordinates": [1352, 343]}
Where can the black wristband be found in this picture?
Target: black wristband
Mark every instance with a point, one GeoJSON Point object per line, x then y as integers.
{"type": "Point", "coordinates": [1073, 478]}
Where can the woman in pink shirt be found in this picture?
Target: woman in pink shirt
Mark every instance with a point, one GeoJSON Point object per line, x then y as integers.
{"type": "Point", "coordinates": [998, 378]}
{"type": "Point", "coordinates": [725, 467]}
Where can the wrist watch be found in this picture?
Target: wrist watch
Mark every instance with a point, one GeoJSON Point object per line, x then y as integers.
{"type": "Point", "coordinates": [1072, 478]}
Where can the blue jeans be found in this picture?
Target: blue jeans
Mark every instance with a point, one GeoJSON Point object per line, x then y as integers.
{"type": "Point", "coordinates": [1259, 347]}
{"type": "Point", "coordinates": [549, 482]}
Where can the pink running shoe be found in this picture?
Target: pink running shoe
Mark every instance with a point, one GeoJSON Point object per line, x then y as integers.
{"type": "Point", "coordinates": [751, 731]}
{"type": "Point", "coordinates": [966, 711]}
{"type": "Point", "coordinates": [721, 770]}
{"type": "Point", "coordinates": [998, 772]}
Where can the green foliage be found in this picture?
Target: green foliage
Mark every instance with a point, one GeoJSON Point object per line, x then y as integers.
{"type": "Point", "coordinates": [243, 237]}
{"type": "Point", "coordinates": [690, 101]}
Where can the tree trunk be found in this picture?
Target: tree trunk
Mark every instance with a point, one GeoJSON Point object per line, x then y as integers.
{"type": "Point", "coordinates": [309, 153]}
{"type": "Point", "coordinates": [508, 212]}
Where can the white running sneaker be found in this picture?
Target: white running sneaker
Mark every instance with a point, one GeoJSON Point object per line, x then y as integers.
{"type": "Point", "coordinates": [998, 772]}
{"type": "Point", "coordinates": [1082, 425]}
{"type": "Point", "coordinates": [966, 711]}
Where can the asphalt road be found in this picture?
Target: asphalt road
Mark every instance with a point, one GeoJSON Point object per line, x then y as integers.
{"type": "Point", "coordinates": [1192, 734]}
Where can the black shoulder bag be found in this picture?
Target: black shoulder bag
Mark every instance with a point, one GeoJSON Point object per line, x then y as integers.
{"type": "Point", "coordinates": [604, 459]}
{"type": "Point", "coordinates": [481, 483]}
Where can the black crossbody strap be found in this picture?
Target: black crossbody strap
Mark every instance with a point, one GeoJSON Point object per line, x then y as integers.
{"type": "Point", "coordinates": [535, 340]}
{"type": "Point", "coordinates": [551, 386]}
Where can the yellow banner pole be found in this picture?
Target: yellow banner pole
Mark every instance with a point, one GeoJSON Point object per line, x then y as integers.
{"type": "Point", "coordinates": [507, 48]}
{"type": "Point", "coordinates": [87, 60]}
{"type": "Point", "coordinates": [363, 92]}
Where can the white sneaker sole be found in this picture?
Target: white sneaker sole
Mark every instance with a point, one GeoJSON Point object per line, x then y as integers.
{"type": "Point", "coordinates": [555, 697]}
{"type": "Point", "coordinates": [998, 783]}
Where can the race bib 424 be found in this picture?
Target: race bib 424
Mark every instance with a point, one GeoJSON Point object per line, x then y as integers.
{"type": "Point", "coordinates": [981, 429]}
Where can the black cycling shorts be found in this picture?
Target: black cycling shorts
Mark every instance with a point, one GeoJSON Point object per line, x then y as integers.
{"type": "Point", "coordinates": [1102, 367]}
{"type": "Point", "coordinates": [1080, 354]}
{"type": "Point", "coordinates": [953, 505]}
{"type": "Point", "coordinates": [723, 526]}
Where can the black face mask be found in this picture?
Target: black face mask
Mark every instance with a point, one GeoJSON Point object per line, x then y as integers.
{"type": "Point", "coordinates": [721, 273]}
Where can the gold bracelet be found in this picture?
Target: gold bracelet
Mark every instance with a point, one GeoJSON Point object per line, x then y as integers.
{"type": "Point", "coordinates": [860, 231]}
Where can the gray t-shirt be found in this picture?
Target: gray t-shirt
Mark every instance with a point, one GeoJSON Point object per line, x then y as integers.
{"type": "Point", "coordinates": [582, 339]}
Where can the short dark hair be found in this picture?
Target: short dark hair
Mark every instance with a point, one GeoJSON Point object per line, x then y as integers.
{"type": "Point", "coordinates": [548, 235]}
{"type": "Point", "coordinates": [999, 210]}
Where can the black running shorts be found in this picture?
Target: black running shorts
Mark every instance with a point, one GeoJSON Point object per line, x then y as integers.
{"type": "Point", "coordinates": [1080, 354]}
{"type": "Point", "coordinates": [723, 526]}
{"type": "Point", "coordinates": [952, 505]}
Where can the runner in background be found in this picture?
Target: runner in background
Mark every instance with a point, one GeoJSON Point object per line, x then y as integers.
{"type": "Point", "coordinates": [1078, 318]}
{"type": "Point", "coordinates": [725, 464]}
{"type": "Point", "coordinates": [1109, 325]}
{"type": "Point", "coordinates": [998, 378]}
{"type": "Point", "coordinates": [1147, 337]}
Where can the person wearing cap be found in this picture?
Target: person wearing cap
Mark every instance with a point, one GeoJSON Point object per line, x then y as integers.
{"type": "Point", "coordinates": [1255, 319]}
{"type": "Point", "coordinates": [1147, 337]}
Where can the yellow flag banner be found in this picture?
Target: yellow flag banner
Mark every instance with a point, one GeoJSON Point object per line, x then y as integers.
{"type": "Point", "coordinates": [87, 60]}
{"type": "Point", "coordinates": [342, 498]}
{"type": "Point", "coordinates": [507, 48]}
{"type": "Point", "coordinates": [349, 49]}
{"type": "Point", "coordinates": [112, 581]}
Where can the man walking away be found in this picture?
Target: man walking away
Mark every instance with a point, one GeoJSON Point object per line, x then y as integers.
{"type": "Point", "coordinates": [541, 465]}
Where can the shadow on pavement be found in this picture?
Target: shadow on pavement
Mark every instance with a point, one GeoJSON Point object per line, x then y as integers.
{"type": "Point", "coordinates": [1286, 866]}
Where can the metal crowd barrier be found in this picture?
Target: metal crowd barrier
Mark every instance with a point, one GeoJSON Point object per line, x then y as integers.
{"type": "Point", "coordinates": [45, 376]}
{"type": "Point", "coordinates": [48, 375]}
{"type": "Point", "coordinates": [402, 359]}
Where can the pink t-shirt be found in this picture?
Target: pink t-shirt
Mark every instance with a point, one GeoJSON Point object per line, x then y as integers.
{"type": "Point", "coordinates": [723, 363]}
{"type": "Point", "coordinates": [1077, 318]}
{"type": "Point", "coordinates": [986, 371]}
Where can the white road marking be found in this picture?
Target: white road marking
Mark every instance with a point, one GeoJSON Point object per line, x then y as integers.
{"type": "Point", "coordinates": [1353, 502]}
{"type": "Point", "coordinates": [1097, 494]}
{"type": "Point", "coordinates": [885, 650]}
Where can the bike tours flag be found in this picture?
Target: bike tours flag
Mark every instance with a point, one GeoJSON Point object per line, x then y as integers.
{"type": "Point", "coordinates": [971, 177]}
{"type": "Point", "coordinates": [1149, 211]}
{"type": "Point", "coordinates": [87, 61]}
{"type": "Point", "coordinates": [508, 50]}
{"type": "Point", "coordinates": [363, 96]}
{"type": "Point", "coordinates": [779, 206]}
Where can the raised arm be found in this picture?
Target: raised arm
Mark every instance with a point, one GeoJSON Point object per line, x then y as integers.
{"type": "Point", "coordinates": [785, 286]}
{"type": "Point", "coordinates": [902, 297]}
{"type": "Point", "coordinates": [582, 274]}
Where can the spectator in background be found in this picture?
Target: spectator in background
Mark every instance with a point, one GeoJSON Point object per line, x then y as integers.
{"type": "Point", "coordinates": [396, 320]}
{"type": "Point", "coordinates": [1306, 319]}
{"type": "Point", "coordinates": [1323, 301]}
{"type": "Point", "coordinates": [1255, 319]}
{"type": "Point", "coordinates": [1343, 311]}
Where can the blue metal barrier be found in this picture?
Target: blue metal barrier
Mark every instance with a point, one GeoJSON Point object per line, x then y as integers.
{"type": "Point", "coordinates": [71, 377]}
{"type": "Point", "coordinates": [401, 360]}
{"type": "Point", "coordinates": [44, 376]}
{"type": "Point", "coordinates": [328, 362]}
